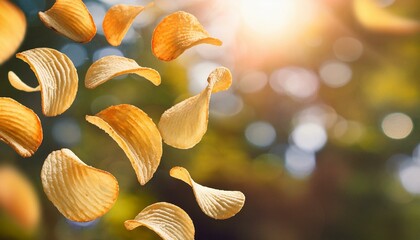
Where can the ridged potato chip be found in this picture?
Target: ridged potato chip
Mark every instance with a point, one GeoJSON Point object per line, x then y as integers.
{"type": "Point", "coordinates": [178, 32]}
{"type": "Point", "coordinates": [70, 18]}
{"type": "Point", "coordinates": [136, 134]}
{"type": "Point", "coordinates": [375, 18]}
{"type": "Point", "coordinates": [56, 76]}
{"type": "Point", "coordinates": [170, 222]}
{"type": "Point", "coordinates": [184, 125]}
{"type": "Point", "coordinates": [217, 204]}
{"type": "Point", "coordinates": [80, 192]}
{"type": "Point", "coordinates": [118, 20]}
{"type": "Point", "coordinates": [18, 198]}
{"type": "Point", "coordinates": [110, 67]}
{"type": "Point", "coordinates": [17, 83]}
{"type": "Point", "coordinates": [12, 29]}
{"type": "Point", "coordinates": [20, 127]}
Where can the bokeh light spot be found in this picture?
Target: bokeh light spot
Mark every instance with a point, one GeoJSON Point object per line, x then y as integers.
{"type": "Point", "coordinates": [348, 49]}
{"type": "Point", "coordinates": [397, 125]}
{"type": "Point", "coordinates": [260, 134]}
{"type": "Point", "coordinates": [310, 137]}
{"type": "Point", "coordinates": [335, 74]}
{"type": "Point", "coordinates": [296, 82]}
{"type": "Point", "coordinates": [299, 163]}
{"type": "Point", "coordinates": [76, 52]}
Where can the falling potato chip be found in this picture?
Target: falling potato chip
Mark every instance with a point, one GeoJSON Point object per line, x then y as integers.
{"type": "Point", "coordinates": [184, 125]}
{"type": "Point", "coordinates": [56, 76]}
{"type": "Point", "coordinates": [20, 85]}
{"type": "Point", "coordinates": [217, 204]}
{"type": "Point", "coordinates": [12, 29]}
{"type": "Point", "coordinates": [167, 220]}
{"type": "Point", "coordinates": [136, 134]}
{"type": "Point", "coordinates": [109, 67]}
{"type": "Point", "coordinates": [20, 127]}
{"type": "Point", "coordinates": [118, 20]}
{"type": "Point", "coordinates": [80, 192]}
{"type": "Point", "coordinates": [18, 198]}
{"type": "Point", "coordinates": [70, 18]}
{"type": "Point", "coordinates": [178, 32]}
{"type": "Point", "coordinates": [375, 18]}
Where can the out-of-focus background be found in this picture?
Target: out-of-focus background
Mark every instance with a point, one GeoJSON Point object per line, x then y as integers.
{"type": "Point", "coordinates": [319, 129]}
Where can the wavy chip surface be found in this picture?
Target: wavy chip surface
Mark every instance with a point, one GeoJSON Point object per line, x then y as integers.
{"type": "Point", "coordinates": [12, 29]}
{"type": "Point", "coordinates": [170, 222]}
{"type": "Point", "coordinates": [178, 32]}
{"type": "Point", "coordinates": [70, 18]}
{"type": "Point", "coordinates": [184, 125]}
{"type": "Point", "coordinates": [56, 76]}
{"type": "Point", "coordinates": [372, 16]}
{"type": "Point", "coordinates": [80, 192]}
{"type": "Point", "coordinates": [118, 20]}
{"type": "Point", "coordinates": [217, 204]}
{"type": "Point", "coordinates": [136, 134]}
{"type": "Point", "coordinates": [20, 127]}
{"type": "Point", "coordinates": [18, 198]}
{"type": "Point", "coordinates": [110, 67]}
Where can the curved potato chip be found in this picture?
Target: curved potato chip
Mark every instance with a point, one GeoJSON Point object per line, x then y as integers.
{"type": "Point", "coordinates": [70, 18]}
{"type": "Point", "coordinates": [12, 29]}
{"type": "Point", "coordinates": [20, 85]}
{"type": "Point", "coordinates": [170, 222]}
{"type": "Point", "coordinates": [217, 204]}
{"type": "Point", "coordinates": [18, 198]}
{"type": "Point", "coordinates": [184, 125]}
{"type": "Point", "coordinates": [136, 134]}
{"type": "Point", "coordinates": [178, 32]}
{"type": "Point", "coordinates": [80, 192]}
{"type": "Point", "coordinates": [109, 67]}
{"type": "Point", "coordinates": [56, 76]}
{"type": "Point", "coordinates": [373, 17]}
{"type": "Point", "coordinates": [20, 127]}
{"type": "Point", "coordinates": [118, 20]}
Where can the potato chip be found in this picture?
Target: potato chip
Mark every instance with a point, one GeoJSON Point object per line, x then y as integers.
{"type": "Point", "coordinates": [178, 32]}
{"type": "Point", "coordinates": [170, 222]}
{"type": "Point", "coordinates": [20, 127]}
{"type": "Point", "coordinates": [109, 67]}
{"type": "Point", "coordinates": [136, 134]}
{"type": "Point", "coordinates": [20, 85]}
{"type": "Point", "coordinates": [12, 29]}
{"type": "Point", "coordinates": [70, 18]}
{"type": "Point", "coordinates": [118, 20]}
{"type": "Point", "coordinates": [217, 204]}
{"type": "Point", "coordinates": [80, 192]}
{"type": "Point", "coordinates": [18, 198]}
{"type": "Point", "coordinates": [184, 125]}
{"type": "Point", "coordinates": [56, 76]}
{"type": "Point", "coordinates": [375, 18]}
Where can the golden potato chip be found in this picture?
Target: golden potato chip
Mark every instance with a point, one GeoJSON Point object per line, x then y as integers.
{"type": "Point", "coordinates": [109, 67]}
{"type": "Point", "coordinates": [70, 18]}
{"type": "Point", "coordinates": [217, 204]}
{"type": "Point", "coordinates": [184, 125]}
{"type": "Point", "coordinates": [56, 76]}
{"type": "Point", "coordinates": [20, 127]}
{"type": "Point", "coordinates": [80, 192]}
{"type": "Point", "coordinates": [170, 222]}
{"type": "Point", "coordinates": [18, 198]}
{"type": "Point", "coordinates": [136, 134]}
{"type": "Point", "coordinates": [118, 20]}
{"type": "Point", "coordinates": [12, 29]}
{"type": "Point", "coordinates": [178, 32]}
{"type": "Point", "coordinates": [20, 85]}
{"type": "Point", "coordinates": [375, 18]}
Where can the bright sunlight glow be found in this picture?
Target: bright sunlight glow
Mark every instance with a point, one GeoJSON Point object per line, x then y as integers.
{"type": "Point", "coordinates": [268, 17]}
